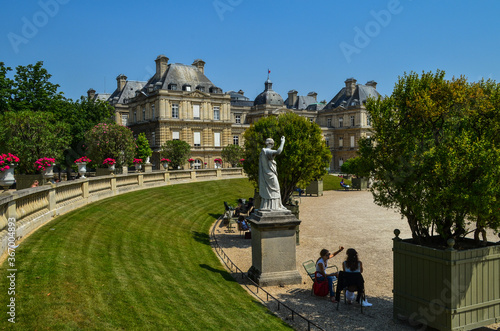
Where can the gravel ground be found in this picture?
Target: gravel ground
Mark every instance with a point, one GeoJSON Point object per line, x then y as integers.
{"type": "Point", "coordinates": [338, 218]}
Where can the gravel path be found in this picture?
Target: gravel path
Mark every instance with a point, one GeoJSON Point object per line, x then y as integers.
{"type": "Point", "coordinates": [349, 219]}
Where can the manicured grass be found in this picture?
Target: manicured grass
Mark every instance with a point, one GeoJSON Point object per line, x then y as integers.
{"type": "Point", "coordinates": [331, 182]}
{"type": "Point", "coordinates": [137, 261]}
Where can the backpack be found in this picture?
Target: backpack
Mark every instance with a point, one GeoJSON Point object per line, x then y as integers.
{"type": "Point", "coordinates": [320, 287]}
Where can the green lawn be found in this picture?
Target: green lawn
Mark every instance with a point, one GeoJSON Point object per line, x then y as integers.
{"type": "Point", "coordinates": [141, 260]}
{"type": "Point", "coordinates": [333, 183]}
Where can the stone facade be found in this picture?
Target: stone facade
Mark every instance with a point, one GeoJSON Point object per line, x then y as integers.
{"type": "Point", "coordinates": [180, 102]}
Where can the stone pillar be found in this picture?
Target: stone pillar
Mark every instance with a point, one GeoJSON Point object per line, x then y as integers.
{"type": "Point", "coordinates": [274, 248]}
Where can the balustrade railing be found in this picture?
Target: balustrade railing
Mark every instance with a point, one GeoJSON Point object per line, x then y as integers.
{"type": "Point", "coordinates": [32, 207]}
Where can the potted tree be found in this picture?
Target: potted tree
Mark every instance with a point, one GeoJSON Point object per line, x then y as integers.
{"type": "Point", "coordinates": [435, 157]}
{"type": "Point", "coordinates": [360, 169]}
{"type": "Point", "coordinates": [177, 151]}
{"type": "Point", "coordinates": [143, 151]}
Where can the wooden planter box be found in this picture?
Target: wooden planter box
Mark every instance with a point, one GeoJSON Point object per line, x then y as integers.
{"type": "Point", "coordinates": [446, 289]}
{"type": "Point", "coordinates": [316, 187]}
{"type": "Point", "coordinates": [360, 183]}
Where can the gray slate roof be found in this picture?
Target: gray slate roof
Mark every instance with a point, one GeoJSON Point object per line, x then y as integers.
{"type": "Point", "coordinates": [302, 102]}
{"type": "Point", "coordinates": [360, 95]}
{"type": "Point", "coordinates": [182, 74]}
{"type": "Point", "coordinates": [128, 92]}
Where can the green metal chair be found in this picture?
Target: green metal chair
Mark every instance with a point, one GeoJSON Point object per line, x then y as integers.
{"type": "Point", "coordinates": [310, 267]}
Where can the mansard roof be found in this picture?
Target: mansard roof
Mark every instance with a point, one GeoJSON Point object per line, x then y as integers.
{"type": "Point", "coordinates": [359, 97]}
{"type": "Point", "coordinates": [304, 102]}
{"type": "Point", "coordinates": [128, 92]}
{"type": "Point", "coordinates": [181, 75]}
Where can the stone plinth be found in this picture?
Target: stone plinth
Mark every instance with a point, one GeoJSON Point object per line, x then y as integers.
{"type": "Point", "coordinates": [273, 248]}
{"type": "Point", "coordinates": [148, 167]}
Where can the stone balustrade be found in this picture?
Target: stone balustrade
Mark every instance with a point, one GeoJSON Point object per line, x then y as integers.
{"type": "Point", "coordinates": [33, 207]}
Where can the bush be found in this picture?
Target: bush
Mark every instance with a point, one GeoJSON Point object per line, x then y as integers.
{"type": "Point", "coordinates": [110, 141]}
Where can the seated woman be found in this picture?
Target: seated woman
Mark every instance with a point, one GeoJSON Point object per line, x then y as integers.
{"type": "Point", "coordinates": [242, 224]}
{"type": "Point", "coordinates": [322, 264]}
{"type": "Point", "coordinates": [344, 185]}
{"type": "Point", "coordinates": [353, 264]}
{"type": "Point", "coordinates": [240, 209]}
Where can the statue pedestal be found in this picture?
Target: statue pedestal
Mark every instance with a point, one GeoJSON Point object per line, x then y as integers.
{"type": "Point", "coordinates": [148, 167]}
{"type": "Point", "coordinates": [273, 248]}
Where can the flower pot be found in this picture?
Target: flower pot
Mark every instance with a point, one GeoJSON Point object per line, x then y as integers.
{"type": "Point", "coordinates": [82, 169]}
{"type": "Point", "coordinates": [7, 177]}
{"type": "Point", "coordinates": [48, 172]}
{"type": "Point", "coordinates": [111, 167]}
{"type": "Point", "coordinates": [138, 167]}
{"type": "Point", "coordinates": [165, 165]}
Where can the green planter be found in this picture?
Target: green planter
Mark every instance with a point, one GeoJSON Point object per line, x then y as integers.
{"type": "Point", "coordinates": [446, 289]}
{"type": "Point", "coordinates": [359, 183]}
{"type": "Point", "coordinates": [316, 187]}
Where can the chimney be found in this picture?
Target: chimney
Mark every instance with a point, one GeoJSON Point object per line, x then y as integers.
{"type": "Point", "coordinates": [161, 65]}
{"type": "Point", "coordinates": [91, 94]}
{"type": "Point", "coordinates": [121, 80]}
{"type": "Point", "coordinates": [292, 98]}
{"type": "Point", "coordinates": [200, 64]}
{"type": "Point", "coordinates": [314, 95]}
{"type": "Point", "coordinates": [372, 83]}
{"type": "Point", "coordinates": [350, 86]}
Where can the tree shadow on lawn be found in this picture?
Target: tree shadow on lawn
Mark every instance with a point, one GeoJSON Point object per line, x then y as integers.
{"type": "Point", "coordinates": [226, 275]}
{"type": "Point", "coordinates": [201, 237]}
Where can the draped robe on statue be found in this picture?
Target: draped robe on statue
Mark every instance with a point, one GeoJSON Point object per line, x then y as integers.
{"type": "Point", "coordinates": [269, 187]}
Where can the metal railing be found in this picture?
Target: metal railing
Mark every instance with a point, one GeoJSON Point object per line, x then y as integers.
{"type": "Point", "coordinates": [235, 269]}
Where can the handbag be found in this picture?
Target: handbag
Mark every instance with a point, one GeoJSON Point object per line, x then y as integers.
{"type": "Point", "coordinates": [320, 287]}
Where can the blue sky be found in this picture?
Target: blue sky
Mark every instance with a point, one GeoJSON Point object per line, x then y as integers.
{"type": "Point", "coordinates": [307, 45]}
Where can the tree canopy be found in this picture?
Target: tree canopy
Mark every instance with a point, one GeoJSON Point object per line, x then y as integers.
{"type": "Point", "coordinates": [31, 90]}
{"type": "Point", "coordinates": [232, 154]}
{"type": "Point", "coordinates": [31, 136]}
{"type": "Point", "coordinates": [177, 151]}
{"type": "Point", "coordinates": [435, 154]}
{"type": "Point", "coordinates": [305, 156]}
{"type": "Point", "coordinates": [110, 140]}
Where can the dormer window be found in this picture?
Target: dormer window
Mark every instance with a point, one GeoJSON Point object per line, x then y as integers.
{"type": "Point", "coordinates": [186, 87]}
{"type": "Point", "coordinates": [172, 87]}
{"type": "Point", "coordinates": [200, 88]}
{"type": "Point", "coordinates": [158, 85]}
{"type": "Point", "coordinates": [214, 89]}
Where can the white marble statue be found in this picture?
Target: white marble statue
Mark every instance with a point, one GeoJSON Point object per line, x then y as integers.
{"type": "Point", "coordinates": [269, 187]}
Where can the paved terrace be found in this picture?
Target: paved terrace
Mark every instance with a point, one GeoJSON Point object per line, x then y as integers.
{"type": "Point", "coordinates": [350, 219]}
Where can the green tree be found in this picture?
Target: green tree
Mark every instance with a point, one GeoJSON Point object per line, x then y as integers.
{"type": "Point", "coordinates": [305, 156]}
{"type": "Point", "coordinates": [6, 85]}
{"type": "Point", "coordinates": [232, 154]}
{"type": "Point", "coordinates": [435, 154]}
{"type": "Point", "coordinates": [82, 116]}
{"type": "Point", "coordinates": [356, 166]}
{"type": "Point", "coordinates": [110, 140]}
{"type": "Point", "coordinates": [32, 135]}
{"type": "Point", "coordinates": [143, 151]}
{"type": "Point", "coordinates": [33, 91]}
{"type": "Point", "coordinates": [177, 151]}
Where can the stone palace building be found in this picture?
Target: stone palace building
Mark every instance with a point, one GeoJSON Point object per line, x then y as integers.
{"type": "Point", "coordinates": [180, 102]}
